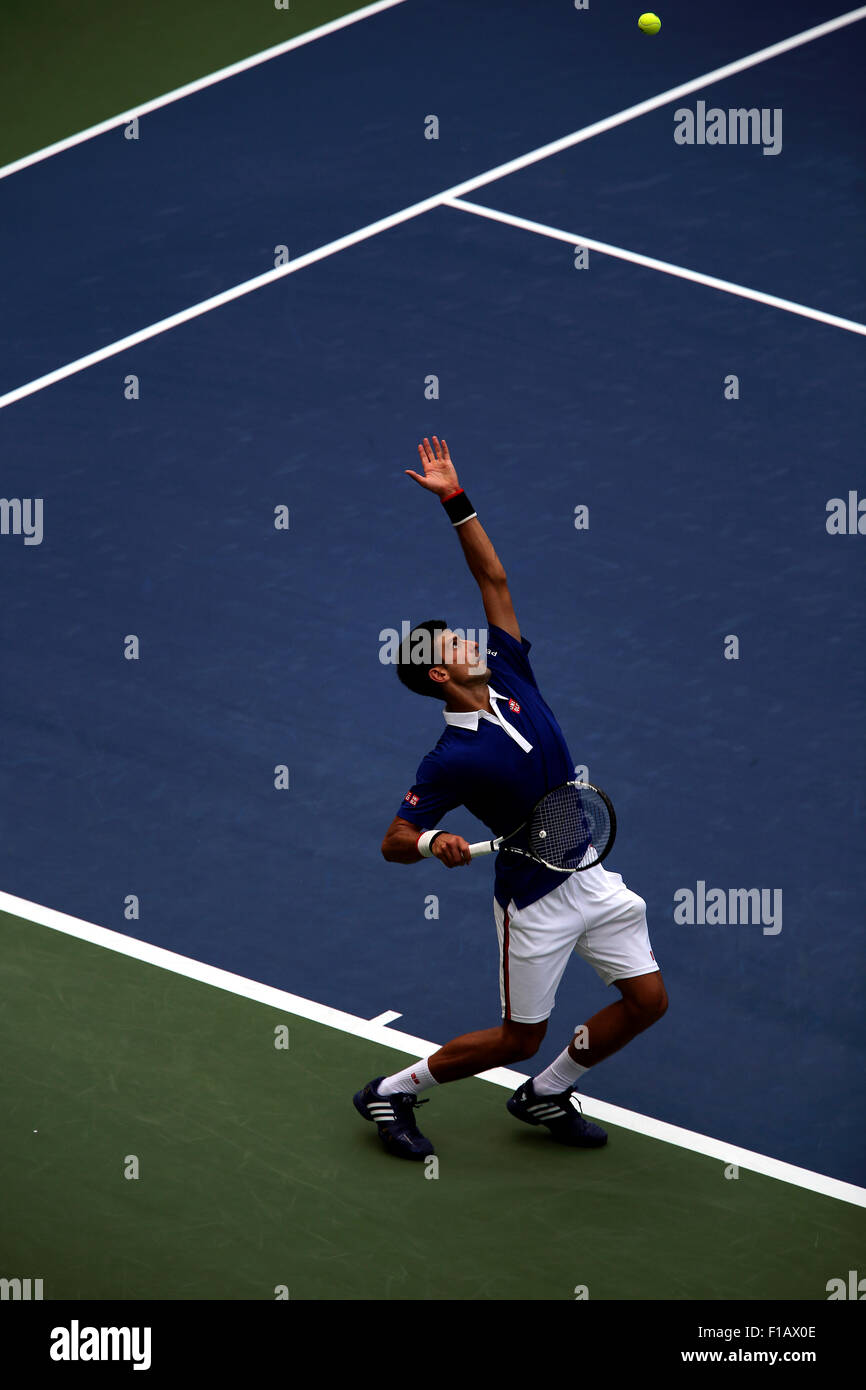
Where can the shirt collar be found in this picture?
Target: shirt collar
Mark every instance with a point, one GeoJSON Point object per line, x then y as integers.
{"type": "Point", "coordinates": [468, 719]}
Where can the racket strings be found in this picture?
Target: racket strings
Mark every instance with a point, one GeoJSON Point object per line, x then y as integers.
{"type": "Point", "coordinates": [571, 828]}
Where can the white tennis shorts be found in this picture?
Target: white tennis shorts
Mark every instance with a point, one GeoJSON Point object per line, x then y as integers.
{"type": "Point", "coordinates": [592, 913]}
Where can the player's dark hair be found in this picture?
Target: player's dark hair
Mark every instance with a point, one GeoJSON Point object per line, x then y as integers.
{"type": "Point", "coordinates": [413, 667]}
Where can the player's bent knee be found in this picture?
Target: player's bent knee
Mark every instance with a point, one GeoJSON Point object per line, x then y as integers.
{"type": "Point", "coordinates": [657, 1004]}
{"type": "Point", "coordinates": [645, 997]}
{"type": "Point", "coordinates": [522, 1040]}
{"type": "Point", "coordinates": [661, 1006]}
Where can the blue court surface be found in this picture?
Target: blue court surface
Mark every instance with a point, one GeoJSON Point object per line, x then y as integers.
{"type": "Point", "coordinates": [559, 387]}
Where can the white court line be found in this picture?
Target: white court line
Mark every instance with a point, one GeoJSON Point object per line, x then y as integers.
{"type": "Point", "coordinates": [199, 85]}
{"type": "Point", "coordinates": [375, 1031]}
{"type": "Point", "coordinates": [417, 209]}
{"type": "Point", "coordinates": [651, 263]}
{"type": "Point", "coordinates": [388, 1016]}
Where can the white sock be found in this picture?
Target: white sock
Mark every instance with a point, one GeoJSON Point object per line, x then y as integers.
{"type": "Point", "coordinates": [559, 1076]}
{"type": "Point", "coordinates": [416, 1078]}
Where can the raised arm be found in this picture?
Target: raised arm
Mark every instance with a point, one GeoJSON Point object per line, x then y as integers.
{"type": "Point", "coordinates": [440, 476]}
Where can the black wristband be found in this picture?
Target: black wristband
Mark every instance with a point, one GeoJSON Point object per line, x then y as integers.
{"type": "Point", "coordinates": [459, 508]}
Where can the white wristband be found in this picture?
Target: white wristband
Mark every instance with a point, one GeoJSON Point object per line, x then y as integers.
{"type": "Point", "coordinates": [425, 841]}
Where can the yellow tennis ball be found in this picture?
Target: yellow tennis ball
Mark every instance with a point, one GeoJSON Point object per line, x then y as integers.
{"type": "Point", "coordinates": [649, 23]}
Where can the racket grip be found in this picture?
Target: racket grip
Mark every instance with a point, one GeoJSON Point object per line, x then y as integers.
{"type": "Point", "coordinates": [484, 847]}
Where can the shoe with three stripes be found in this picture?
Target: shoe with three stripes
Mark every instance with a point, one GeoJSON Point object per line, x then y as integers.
{"type": "Point", "coordinates": [561, 1113]}
{"type": "Point", "coordinates": [393, 1116]}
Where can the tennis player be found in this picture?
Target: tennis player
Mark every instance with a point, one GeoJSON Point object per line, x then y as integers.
{"type": "Point", "coordinates": [500, 752]}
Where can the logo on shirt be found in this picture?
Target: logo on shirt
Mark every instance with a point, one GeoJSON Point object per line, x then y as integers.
{"type": "Point", "coordinates": [411, 798]}
{"type": "Point", "coordinates": [514, 706]}
{"type": "Point", "coordinates": [491, 652]}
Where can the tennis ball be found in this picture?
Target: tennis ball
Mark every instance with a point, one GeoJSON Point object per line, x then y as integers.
{"type": "Point", "coordinates": [649, 23]}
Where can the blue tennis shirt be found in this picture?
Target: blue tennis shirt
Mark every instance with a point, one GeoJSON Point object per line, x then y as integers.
{"type": "Point", "coordinates": [498, 777]}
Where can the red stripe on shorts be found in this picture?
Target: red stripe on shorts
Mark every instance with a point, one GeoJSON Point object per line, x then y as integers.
{"type": "Point", "coordinates": [505, 968]}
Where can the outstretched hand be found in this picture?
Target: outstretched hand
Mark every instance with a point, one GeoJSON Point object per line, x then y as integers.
{"type": "Point", "coordinates": [440, 475]}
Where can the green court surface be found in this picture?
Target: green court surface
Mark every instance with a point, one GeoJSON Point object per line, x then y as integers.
{"type": "Point", "coordinates": [66, 67]}
{"type": "Point", "coordinates": [255, 1171]}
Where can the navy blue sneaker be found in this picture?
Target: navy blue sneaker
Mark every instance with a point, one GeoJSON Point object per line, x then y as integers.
{"type": "Point", "coordinates": [562, 1115]}
{"type": "Point", "coordinates": [393, 1117]}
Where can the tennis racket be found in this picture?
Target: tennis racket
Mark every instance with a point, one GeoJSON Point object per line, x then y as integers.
{"type": "Point", "coordinates": [571, 828]}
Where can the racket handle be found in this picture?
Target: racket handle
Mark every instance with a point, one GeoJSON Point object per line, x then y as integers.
{"type": "Point", "coordinates": [484, 847]}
